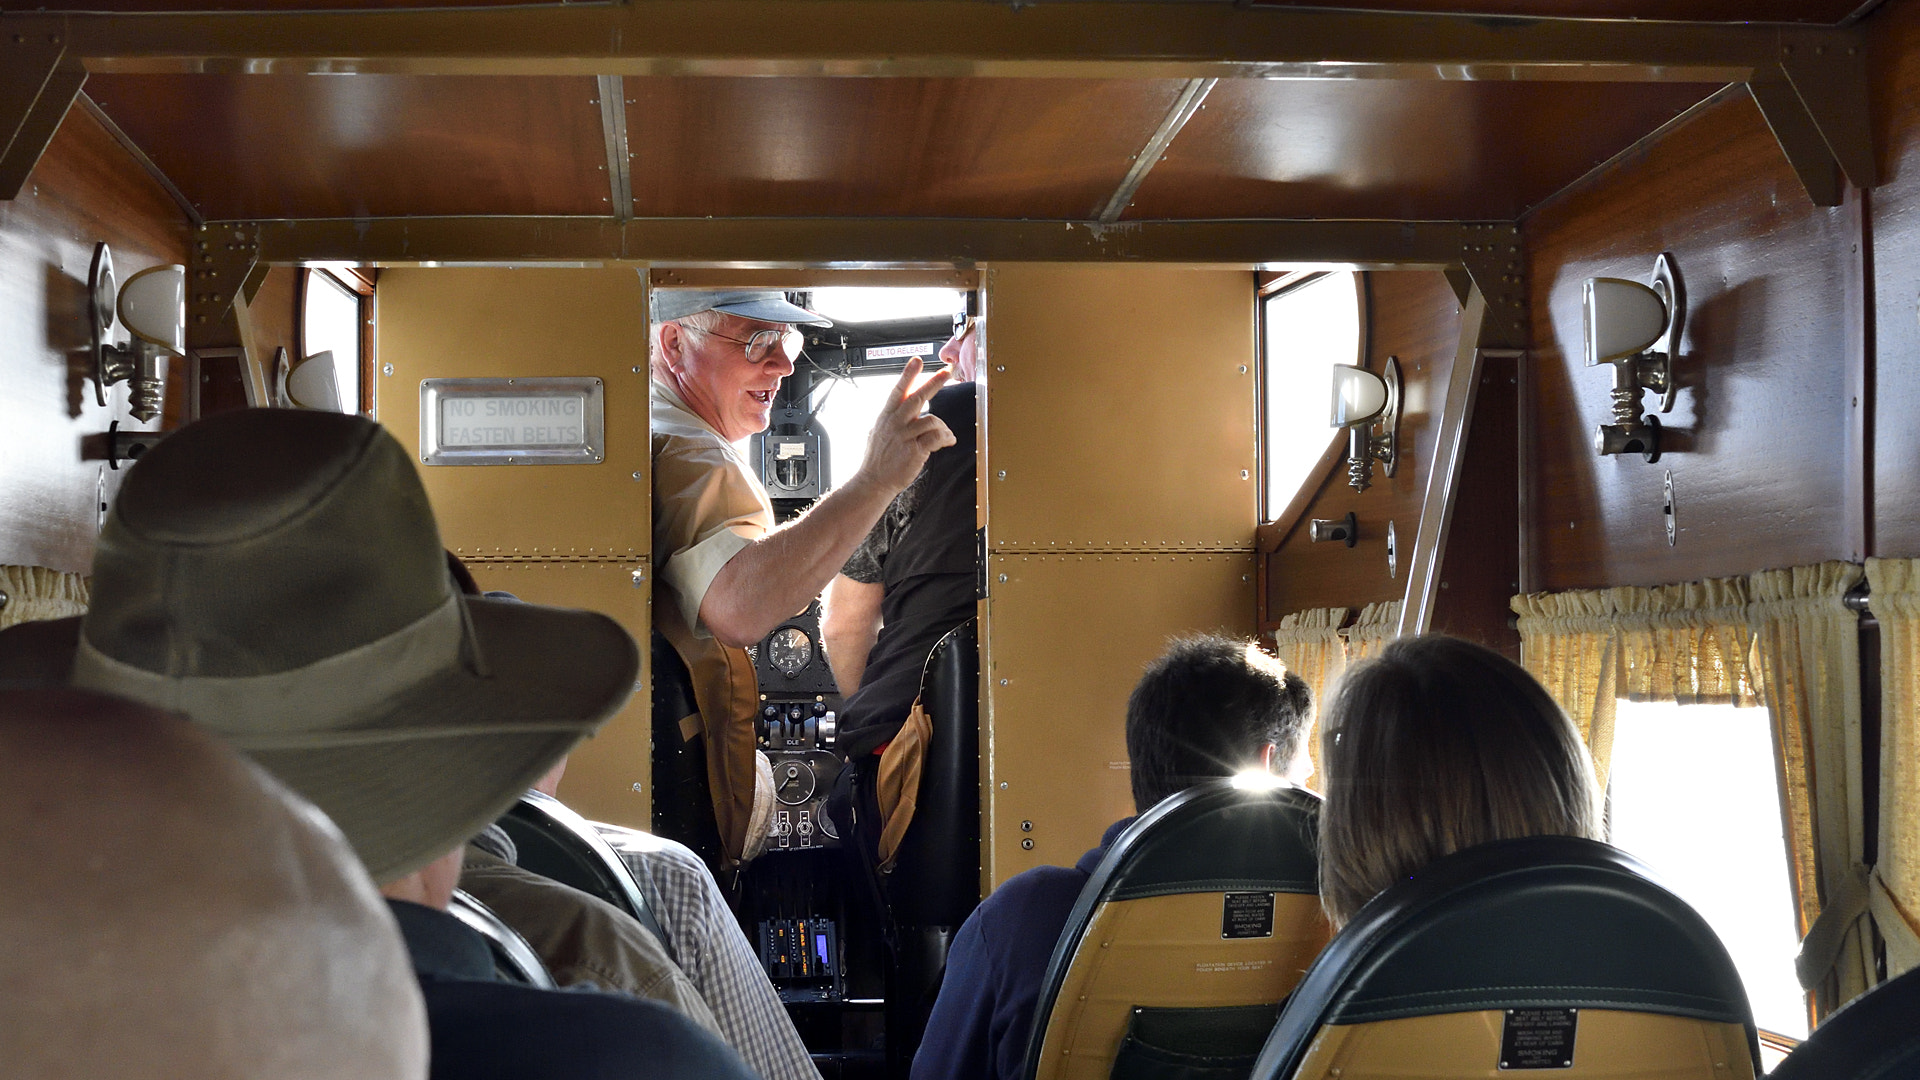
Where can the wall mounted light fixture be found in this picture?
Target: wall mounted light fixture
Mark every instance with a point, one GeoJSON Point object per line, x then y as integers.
{"type": "Point", "coordinates": [153, 307]}
{"type": "Point", "coordinates": [1368, 406]}
{"type": "Point", "coordinates": [1636, 328]}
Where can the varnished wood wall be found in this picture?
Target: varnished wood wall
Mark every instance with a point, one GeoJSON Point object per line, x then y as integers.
{"type": "Point", "coordinates": [1757, 441]}
{"type": "Point", "coordinates": [1894, 226]}
{"type": "Point", "coordinates": [84, 190]}
{"type": "Point", "coordinates": [1412, 315]}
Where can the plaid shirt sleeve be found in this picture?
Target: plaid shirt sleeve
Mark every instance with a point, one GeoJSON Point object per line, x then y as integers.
{"type": "Point", "coordinates": [709, 947]}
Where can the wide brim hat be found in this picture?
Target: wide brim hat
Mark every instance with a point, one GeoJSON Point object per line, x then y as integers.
{"type": "Point", "coordinates": [277, 576]}
{"type": "Point", "coordinates": [764, 305]}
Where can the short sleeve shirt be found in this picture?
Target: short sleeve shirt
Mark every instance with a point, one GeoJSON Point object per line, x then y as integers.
{"type": "Point", "coordinates": [707, 504]}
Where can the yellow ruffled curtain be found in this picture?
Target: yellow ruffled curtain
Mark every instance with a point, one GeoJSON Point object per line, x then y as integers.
{"type": "Point", "coordinates": [1377, 625]}
{"type": "Point", "coordinates": [1568, 642]}
{"type": "Point", "coordinates": [1309, 643]}
{"type": "Point", "coordinates": [35, 592]}
{"type": "Point", "coordinates": [1686, 643]}
{"type": "Point", "coordinates": [1895, 898]}
{"type": "Point", "coordinates": [1807, 646]}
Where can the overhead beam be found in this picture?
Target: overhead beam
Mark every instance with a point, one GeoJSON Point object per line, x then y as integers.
{"type": "Point", "coordinates": [1483, 247]}
{"type": "Point", "coordinates": [1123, 39]}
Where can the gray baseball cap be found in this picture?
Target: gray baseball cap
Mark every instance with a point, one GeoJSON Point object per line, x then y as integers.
{"type": "Point", "coordinates": [766, 305]}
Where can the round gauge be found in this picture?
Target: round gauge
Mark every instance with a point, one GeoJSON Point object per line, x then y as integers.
{"type": "Point", "coordinates": [790, 650]}
{"type": "Point", "coordinates": [793, 782]}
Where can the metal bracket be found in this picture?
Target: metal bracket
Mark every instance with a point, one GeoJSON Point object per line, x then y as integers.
{"type": "Point", "coordinates": [1828, 72]}
{"type": "Point", "coordinates": [1799, 137]}
{"type": "Point", "coordinates": [223, 264]}
{"type": "Point", "coordinates": [37, 85]}
{"type": "Point", "coordinates": [1490, 254]}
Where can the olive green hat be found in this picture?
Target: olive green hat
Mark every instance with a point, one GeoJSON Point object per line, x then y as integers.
{"type": "Point", "coordinates": [277, 576]}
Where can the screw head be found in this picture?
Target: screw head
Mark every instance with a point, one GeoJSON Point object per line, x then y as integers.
{"type": "Point", "coordinates": [386, 369]}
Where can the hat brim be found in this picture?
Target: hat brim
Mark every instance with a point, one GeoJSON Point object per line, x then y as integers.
{"type": "Point", "coordinates": [771, 309]}
{"type": "Point", "coordinates": [418, 775]}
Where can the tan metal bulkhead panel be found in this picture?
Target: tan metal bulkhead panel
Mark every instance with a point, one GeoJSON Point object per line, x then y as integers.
{"type": "Point", "coordinates": [567, 535]}
{"type": "Point", "coordinates": [463, 322]}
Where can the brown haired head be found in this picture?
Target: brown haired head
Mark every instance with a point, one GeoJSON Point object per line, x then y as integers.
{"type": "Point", "coordinates": [1435, 746]}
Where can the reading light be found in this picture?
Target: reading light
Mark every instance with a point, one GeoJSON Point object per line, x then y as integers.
{"type": "Point", "coordinates": [1368, 406]}
{"type": "Point", "coordinates": [152, 306]}
{"type": "Point", "coordinates": [314, 383]}
{"type": "Point", "coordinates": [1636, 328]}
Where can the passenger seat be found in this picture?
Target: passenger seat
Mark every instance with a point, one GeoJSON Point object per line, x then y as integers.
{"type": "Point", "coordinates": [1549, 952]}
{"type": "Point", "coordinates": [1185, 941]}
{"type": "Point", "coordinates": [1875, 1037]}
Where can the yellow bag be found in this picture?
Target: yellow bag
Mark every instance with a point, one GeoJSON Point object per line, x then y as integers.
{"type": "Point", "coordinates": [898, 786]}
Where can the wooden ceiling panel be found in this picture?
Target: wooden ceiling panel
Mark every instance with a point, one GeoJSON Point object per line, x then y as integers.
{"type": "Point", "coordinates": [247, 146]}
{"type": "Point", "coordinates": [1399, 150]}
{"type": "Point", "coordinates": [1733, 11]}
{"type": "Point", "coordinates": [981, 147]}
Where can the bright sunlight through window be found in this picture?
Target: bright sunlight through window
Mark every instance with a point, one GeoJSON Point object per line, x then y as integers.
{"type": "Point", "coordinates": [1305, 330]}
{"type": "Point", "coordinates": [848, 408]}
{"type": "Point", "coordinates": [1695, 796]}
{"type": "Point", "coordinates": [877, 304]}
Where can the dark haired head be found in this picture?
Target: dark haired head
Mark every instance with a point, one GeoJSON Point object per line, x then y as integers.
{"type": "Point", "coordinates": [1434, 746]}
{"type": "Point", "coordinates": [1209, 708]}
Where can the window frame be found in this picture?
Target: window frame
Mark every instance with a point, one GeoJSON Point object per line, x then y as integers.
{"type": "Point", "coordinates": [359, 284]}
{"type": "Point", "coordinates": [1282, 519]}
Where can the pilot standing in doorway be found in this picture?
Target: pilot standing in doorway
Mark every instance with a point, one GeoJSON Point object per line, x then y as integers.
{"type": "Point", "coordinates": [911, 581]}
{"type": "Point", "coordinates": [730, 576]}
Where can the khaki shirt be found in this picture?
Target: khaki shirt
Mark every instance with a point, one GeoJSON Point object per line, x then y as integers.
{"type": "Point", "coordinates": [707, 505]}
{"type": "Point", "coordinates": [583, 939]}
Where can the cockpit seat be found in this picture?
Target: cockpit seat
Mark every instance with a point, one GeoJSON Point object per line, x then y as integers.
{"type": "Point", "coordinates": [935, 882]}
{"type": "Point", "coordinates": [513, 959]}
{"type": "Point", "coordinates": [551, 840]}
{"type": "Point", "coordinates": [1876, 1037]}
{"type": "Point", "coordinates": [1189, 935]}
{"type": "Point", "coordinates": [1552, 953]}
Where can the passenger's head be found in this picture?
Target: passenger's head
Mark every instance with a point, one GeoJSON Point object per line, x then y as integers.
{"type": "Point", "coordinates": [1211, 707]}
{"type": "Point", "coordinates": [725, 352]}
{"type": "Point", "coordinates": [167, 909]}
{"type": "Point", "coordinates": [1435, 746]}
{"type": "Point", "coordinates": [962, 350]}
{"type": "Point", "coordinates": [277, 576]}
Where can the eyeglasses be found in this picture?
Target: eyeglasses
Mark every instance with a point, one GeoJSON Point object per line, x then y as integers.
{"type": "Point", "coordinates": [759, 347]}
{"type": "Point", "coordinates": [964, 325]}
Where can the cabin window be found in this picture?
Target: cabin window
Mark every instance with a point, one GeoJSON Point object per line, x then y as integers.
{"type": "Point", "coordinates": [848, 385]}
{"type": "Point", "coordinates": [1306, 327]}
{"type": "Point", "coordinates": [1694, 792]}
{"type": "Point", "coordinates": [331, 320]}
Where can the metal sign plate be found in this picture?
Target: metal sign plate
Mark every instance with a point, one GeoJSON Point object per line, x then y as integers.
{"type": "Point", "coordinates": [533, 421]}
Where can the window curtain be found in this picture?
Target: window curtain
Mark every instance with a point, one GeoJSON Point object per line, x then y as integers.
{"type": "Point", "coordinates": [1895, 895]}
{"type": "Point", "coordinates": [35, 593]}
{"type": "Point", "coordinates": [1568, 642]}
{"type": "Point", "coordinates": [1309, 643]}
{"type": "Point", "coordinates": [1377, 625]}
{"type": "Point", "coordinates": [1686, 643]}
{"type": "Point", "coordinates": [1807, 647]}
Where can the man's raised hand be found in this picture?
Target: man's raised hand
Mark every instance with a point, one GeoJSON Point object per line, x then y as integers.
{"type": "Point", "coordinates": [905, 434]}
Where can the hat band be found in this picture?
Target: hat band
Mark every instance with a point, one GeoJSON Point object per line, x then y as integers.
{"type": "Point", "coordinates": [313, 699]}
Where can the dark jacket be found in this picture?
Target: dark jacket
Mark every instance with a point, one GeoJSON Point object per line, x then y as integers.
{"type": "Point", "coordinates": [984, 1014]}
{"type": "Point", "coordinates": [484, 1029]}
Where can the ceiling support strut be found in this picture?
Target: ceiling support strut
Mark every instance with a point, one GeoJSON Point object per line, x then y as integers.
{"type": "Point", "coordinates": [1191, 100]}
{"type": "Point", "coordinates": [38, 82]}
{"type": "Point", "coordinates": [613, 125]}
